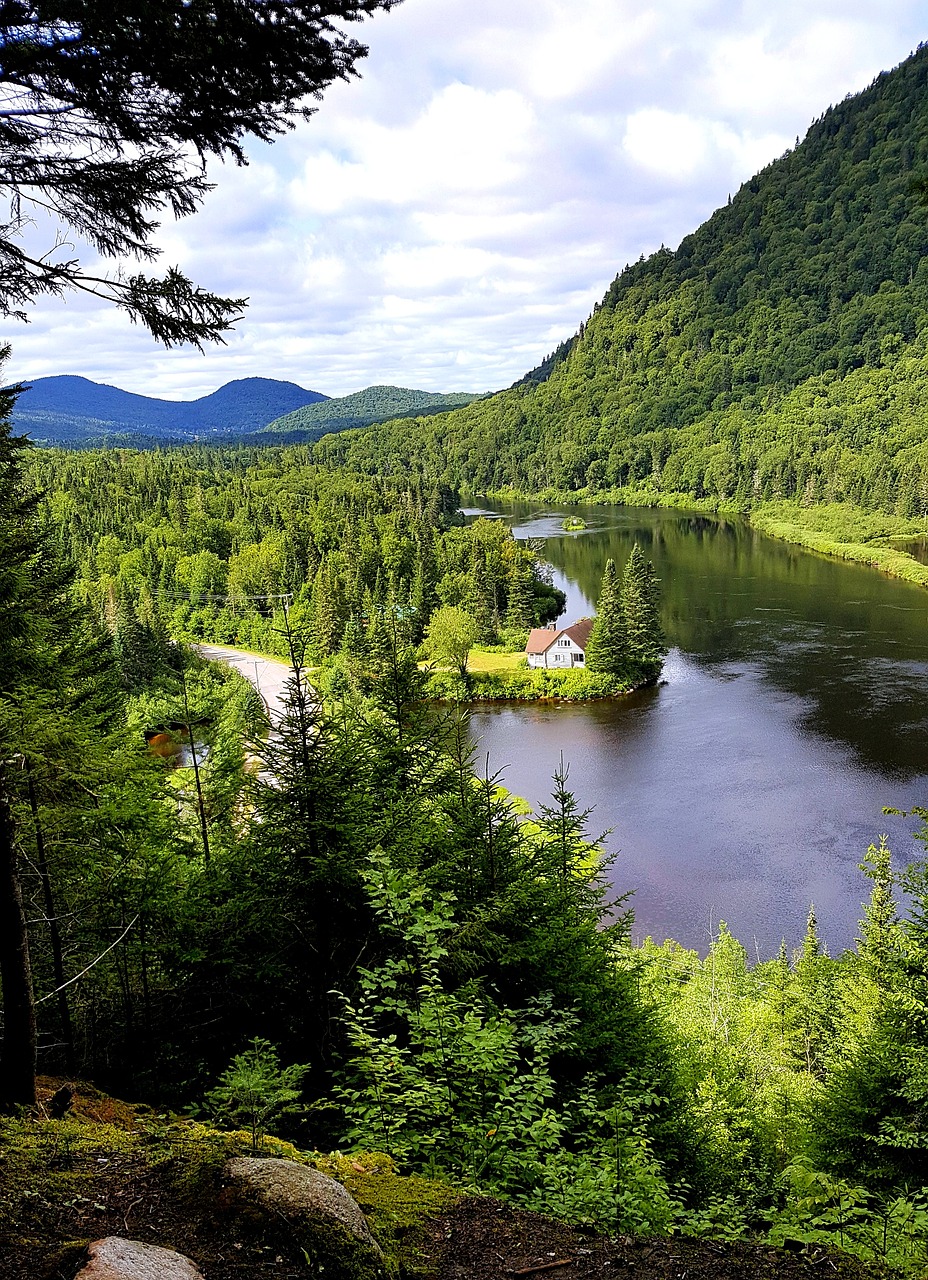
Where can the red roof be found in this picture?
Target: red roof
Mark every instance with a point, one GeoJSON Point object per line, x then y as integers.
{"type": "Point", "coordinates": [580, 632]}
{"type": "Point", "coordinates": [541, 638]}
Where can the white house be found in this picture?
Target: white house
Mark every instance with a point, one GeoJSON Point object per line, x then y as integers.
{"type": "Point", "coordinates": [548, 647]}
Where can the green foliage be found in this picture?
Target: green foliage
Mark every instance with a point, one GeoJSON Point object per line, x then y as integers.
{"type": "Point", "coordinates": [627, 639]}
{"type": "Point", "coordinates": [527, 685]}
{"type": "Point", "coordinates": [820, 1209]}
{"type": "Point", "coordinates": [644, 634]}
{"type": "Point", "coordinates": [207, 545]}
{"type": "Point", "coordinates": [449, 637]}
{"type": "Point", "coordinates": [361, 408]}
{"type": "Point", "coordinates": [607, 650]}
{"type": "Point", "coordinates": [874, 1119]}
{"type": "Point", "coordinates": [458, 1085]}
{"type": "Point", "coordinates": [842, 530]}
{"type": "Point", "coordinates": [254, 1088]}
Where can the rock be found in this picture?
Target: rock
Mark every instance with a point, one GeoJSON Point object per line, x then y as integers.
{"type": "Point", "coordinates": [61, 1102]}
{"type": "Point", "coordinates": [319, 1212]}
{"type": "Point", "coordinates": [114, 1258]}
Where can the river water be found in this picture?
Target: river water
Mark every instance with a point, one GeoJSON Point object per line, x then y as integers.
{"type": "Point", "coordinates": [748, 785]}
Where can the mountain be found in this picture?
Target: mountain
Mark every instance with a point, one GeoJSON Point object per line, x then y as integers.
{"type": "Point", "coordinates": [778, 353]}
{"type": "Point", "coordinates": [72, 410]}
{"type": "Point", "coordinates": [373, 404]}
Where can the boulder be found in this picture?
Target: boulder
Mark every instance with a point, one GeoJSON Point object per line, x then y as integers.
{"type": "Point", "coordinates": [318, 1212]}
{"type": "Point", "coordinates": [114, 1258]}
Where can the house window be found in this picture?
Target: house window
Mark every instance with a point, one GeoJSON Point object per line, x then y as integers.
{"type": "Point", "coordinates": [563, 644]}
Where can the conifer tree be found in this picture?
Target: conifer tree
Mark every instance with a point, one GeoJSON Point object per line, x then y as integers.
{"type": "Point", "coordinates": [46, 665]}
{"type": "Point", "coordinates": [875, 1109]}
{"type": "Point", "coordinates": [23, 583]}
{"type": "Point", "coordinates": [640, 606]}
{"type": "Point", "coordinates": [816, 1000]}
{"type": "Point", "coordinates": [607, 650]}
{"type": "Point", "coordinates": [108, 117]}
{"type": "Point", "coordinates": [520, 597]}
{"type": "Point", "coordinates": [309, 912]}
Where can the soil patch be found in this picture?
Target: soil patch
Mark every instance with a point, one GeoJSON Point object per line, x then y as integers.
{"type": "Point", "coordinates": [486, 1240]}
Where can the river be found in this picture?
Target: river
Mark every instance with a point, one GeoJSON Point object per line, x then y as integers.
{"type": "Point", "coordinates": [748, 785]}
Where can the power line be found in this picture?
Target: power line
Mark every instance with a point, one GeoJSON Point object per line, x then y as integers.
{"type": "Point", "coordinates": [210, 597]}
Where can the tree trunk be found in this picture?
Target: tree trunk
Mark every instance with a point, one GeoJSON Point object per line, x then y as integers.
{"type": "Point", "coordinates": [17, 1061]}
{"type": "Point", "coordinates": [51, 917]}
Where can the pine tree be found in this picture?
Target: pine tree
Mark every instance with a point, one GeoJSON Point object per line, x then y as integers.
{"type": "Point", "coordinates": [47, 665]}
{"type": "Point", "coordinates": [311, 920]}
{"type": "Point", "coordinates": [133, 651]}
{"type": "Point", "coordinates": [816, 999]}
{"type": "Point", "coordinates": [520, 596]}
{"type": "Point", "coordinates": [481, 598]}
{"type": "Point", "coordinates": [875, 1110]}
{"type": "Point", "coordinates": [607, 649]}
{"type": "Point", "coordinates": [106, 116]}
{"type": "Point", "coordinates": [641, 608]}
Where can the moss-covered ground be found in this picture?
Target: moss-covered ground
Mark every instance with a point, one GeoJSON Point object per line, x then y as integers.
{"type": "Point", "coordinates": [109, 1168]}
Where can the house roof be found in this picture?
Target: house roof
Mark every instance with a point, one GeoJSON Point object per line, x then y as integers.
{"type": "Point", "coordinates": [580, 632]}
{"type": "Point", "coordinates": [541, 638]}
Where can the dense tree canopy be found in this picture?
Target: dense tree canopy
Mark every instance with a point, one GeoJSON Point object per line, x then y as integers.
{"type": "Point", "coordinates": [107, 116]}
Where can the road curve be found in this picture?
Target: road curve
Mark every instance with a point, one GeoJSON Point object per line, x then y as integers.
{"type": "Point", "coordinates": [268, 675]}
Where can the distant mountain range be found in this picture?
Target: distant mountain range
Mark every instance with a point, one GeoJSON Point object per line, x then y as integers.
{"type": "Point", "coordinates": [374, 404]}
{"type": "Point", "coordinates": [75, 411]}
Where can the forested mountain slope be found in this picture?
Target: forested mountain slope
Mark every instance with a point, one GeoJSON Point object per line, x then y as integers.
{"type": "Point", "coordinates": [777, 353]}
{"type": "Point", "coordinates": [68, 410]}
{"type": "Point", "coordinates": [373, 404]}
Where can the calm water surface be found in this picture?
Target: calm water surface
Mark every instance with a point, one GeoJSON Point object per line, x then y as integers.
{"type": "Point", "coordinates": [749, 784]}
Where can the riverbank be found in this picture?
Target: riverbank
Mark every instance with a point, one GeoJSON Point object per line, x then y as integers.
{"type": "Point", "coordinates": [524, 684]}
{"type": "Point", "coordinates": [848, 533]}
{"type": "Point", "coordinates": [838, 529]}
{"type": "Point", "coordinates": [492, 677]}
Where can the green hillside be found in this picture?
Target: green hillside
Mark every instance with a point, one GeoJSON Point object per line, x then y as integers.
{"type": "Point", "coordinates": [373, 404]}
{"type": "Point", "coordinates": [778, 353]}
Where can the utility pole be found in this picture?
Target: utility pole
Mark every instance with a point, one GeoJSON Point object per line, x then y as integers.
{"type": "Point", "coordinates": [204, 830]}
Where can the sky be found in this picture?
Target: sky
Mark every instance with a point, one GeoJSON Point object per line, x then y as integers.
{"type": "Point", "coordinates": [446, 220]}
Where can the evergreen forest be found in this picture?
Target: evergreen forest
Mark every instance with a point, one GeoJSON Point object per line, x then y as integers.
{"type": "Point", "coordinates": [355, 894]}
{"type": "Point", "coordinates": [440, 974]}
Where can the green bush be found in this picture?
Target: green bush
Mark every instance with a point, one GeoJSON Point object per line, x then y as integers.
{"type": "Point", "coordinates": [525, 685]}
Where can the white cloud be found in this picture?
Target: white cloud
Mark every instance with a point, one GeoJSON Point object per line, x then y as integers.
{"type": "Point", "coordinates": [445, 221]}
{"type": "Point", "coordinates": [466, 140]}
{"type": "Point", "coordinates": [679, 147]}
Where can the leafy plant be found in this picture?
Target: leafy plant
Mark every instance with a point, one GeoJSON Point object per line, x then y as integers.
{"type": "Point", "coordinates": [455, 1084]}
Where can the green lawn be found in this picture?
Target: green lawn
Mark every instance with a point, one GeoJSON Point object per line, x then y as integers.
{"type": "Point", "coordinates": [479, 661]}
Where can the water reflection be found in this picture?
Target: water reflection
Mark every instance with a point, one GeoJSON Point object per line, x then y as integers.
{"type": "Point", "coordinates": [752, 781]}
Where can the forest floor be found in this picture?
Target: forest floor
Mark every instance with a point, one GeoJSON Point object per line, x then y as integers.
{"type": "Point", "coordinates": [481, 1239]}
{"type": "Point", "coordinates": [114, 1169]}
